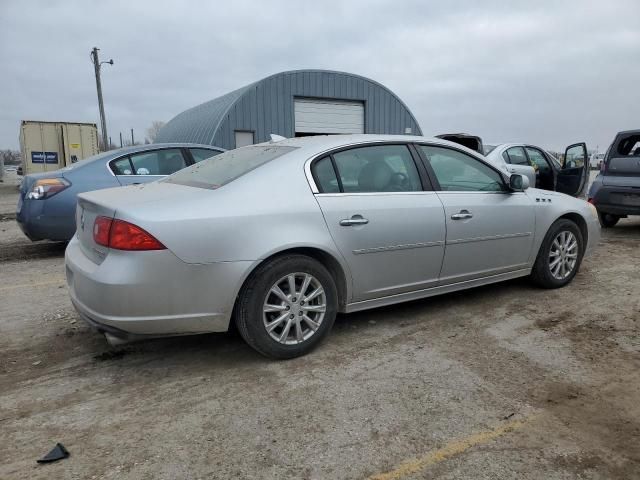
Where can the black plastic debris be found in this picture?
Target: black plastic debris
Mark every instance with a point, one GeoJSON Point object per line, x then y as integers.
{"type": "Point", "coordinates": [58, 453]}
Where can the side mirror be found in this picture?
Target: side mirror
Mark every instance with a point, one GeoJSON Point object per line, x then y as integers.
{"type": "Point", "coordinates": [518, 183]}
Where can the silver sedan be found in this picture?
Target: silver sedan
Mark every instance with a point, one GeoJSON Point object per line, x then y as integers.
{"type": "Point", "coordinates": [279, 237]}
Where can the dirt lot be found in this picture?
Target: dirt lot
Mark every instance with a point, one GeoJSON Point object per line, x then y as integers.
{"type": "Point", "coordinates": [506, 381]}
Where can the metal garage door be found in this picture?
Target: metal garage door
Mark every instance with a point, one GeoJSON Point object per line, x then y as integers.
{"type": "Point", "coordinates": [328, 116]}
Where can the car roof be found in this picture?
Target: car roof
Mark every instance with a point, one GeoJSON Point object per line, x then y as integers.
{"type": "Point", "coordinates": [155, 146]}
{"type": "Point", "coordinates": [628, 132]}
{"type": "Point", "coordinates": [314, 145]}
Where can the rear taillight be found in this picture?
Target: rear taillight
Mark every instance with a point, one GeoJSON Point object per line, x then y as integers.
{"type": "Point", "coordinates": [123, 235]}
{"type": "Point", "coordinates": [101, 229]}
{"type": "Point", "coordinates": [47, 187]}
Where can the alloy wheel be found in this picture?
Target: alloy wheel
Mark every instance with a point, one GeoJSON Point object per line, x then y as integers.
{"type": "Point", "coordinates": [563, 255]}
{"type": "Point", "coordinates": [294, 308]}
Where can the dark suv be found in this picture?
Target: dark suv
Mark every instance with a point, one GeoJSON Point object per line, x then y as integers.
{"type": "Point", "coordinates": [615, 192]}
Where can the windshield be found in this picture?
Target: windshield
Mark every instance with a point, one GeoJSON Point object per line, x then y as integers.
{"type": "Point", "coordinates": [226, 167]}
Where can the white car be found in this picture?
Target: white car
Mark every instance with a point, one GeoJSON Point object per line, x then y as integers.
{"type": "Point", "coordinates": [543, 169]}
{"type": "Point", "coordinates": [596, 160]}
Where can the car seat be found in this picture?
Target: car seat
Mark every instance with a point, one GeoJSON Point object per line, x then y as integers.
{"type": "Point", "coordinates": [375, 176]}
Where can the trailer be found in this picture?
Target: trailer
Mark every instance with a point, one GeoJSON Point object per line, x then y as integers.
{"type": "Point", "coordinates": [48, 146]}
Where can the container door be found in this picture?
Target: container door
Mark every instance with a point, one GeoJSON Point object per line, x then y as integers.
{"type": "Point", "coordinates": [51, 147]}
{"type": "Point", "coordinates": [73, 143]}
{"type": "Point", "coordinates": [32, 148]}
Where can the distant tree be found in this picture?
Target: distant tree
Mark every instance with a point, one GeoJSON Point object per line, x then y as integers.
{"type": "Point", "coordinates": [153, 130]}
{"type": "Point", "coordinates": [10, 157]}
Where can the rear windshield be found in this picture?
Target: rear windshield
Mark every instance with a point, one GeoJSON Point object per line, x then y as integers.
{"type": "Point", "coordinates": [489, 148]}
{"type": "Point", "coordinates": [226, 167]}
{"type": "Point", "coordinates": [629, 146]}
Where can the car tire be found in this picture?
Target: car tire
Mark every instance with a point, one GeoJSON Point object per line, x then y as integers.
{"type": "Point", "coordinates": [607, 220]}
{"type": "Point", "coordinates": [558, 262]}
{"type": "Point", "coordinates": [261, 305]}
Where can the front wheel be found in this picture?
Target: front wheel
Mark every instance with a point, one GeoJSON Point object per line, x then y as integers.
{"type": "Point", "coordinates": [559, 256]}
{"type": "Point", "coordinates": [607, 220]}
{"type": "Point", "coordinates": [287, 306]}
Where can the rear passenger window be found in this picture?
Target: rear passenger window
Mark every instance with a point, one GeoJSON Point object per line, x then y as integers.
{"type": "Point", "coordinates": [325, 176]}
{"type": "Point", "coordinates": [122, 167]}
{"type": "Point", "coordinates": [516, 156]}
{"type": "Point", "coordinates": [158, 162]}
{"type": "Point", "coordinates": [380, 168]}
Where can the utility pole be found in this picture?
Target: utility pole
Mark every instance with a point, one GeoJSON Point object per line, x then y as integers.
{"type": "Point", "coordinates": [133, 142]}
{"type": "Point", "coordinates": [103, 123]}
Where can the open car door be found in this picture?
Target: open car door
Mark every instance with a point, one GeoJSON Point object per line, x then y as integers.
{"type": "Point", "coordinates": [572, 178]}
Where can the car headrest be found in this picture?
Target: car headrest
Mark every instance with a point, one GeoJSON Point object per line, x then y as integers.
{"type": "Point", "coordinates": [375, 176]}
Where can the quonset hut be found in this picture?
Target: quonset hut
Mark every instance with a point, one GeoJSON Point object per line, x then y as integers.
{"type": "Point", "coordinates": [296, 103]}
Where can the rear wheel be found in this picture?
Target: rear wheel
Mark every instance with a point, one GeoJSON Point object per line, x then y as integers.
{"type": "Point", "coordinates": [287, 306]}
{"type": "Point", "coordinates": [607, 220]}
{"type": "Point", "coordinates": [560, 255]}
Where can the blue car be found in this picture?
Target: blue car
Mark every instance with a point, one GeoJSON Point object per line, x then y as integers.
{"type": "Point", "coordinates": [47, 203]}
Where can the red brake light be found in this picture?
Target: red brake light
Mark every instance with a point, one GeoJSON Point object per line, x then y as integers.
{"type": "Point", "coordinates": [122, 235]}
{"type": "Point", "coordinates": [101, 229]}
{"type": "Point", "coordinates": [127, 236]}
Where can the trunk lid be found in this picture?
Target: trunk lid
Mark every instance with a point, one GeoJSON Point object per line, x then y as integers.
{"type": "Point", "coordinates": [86, 213]}
{"type": "Point", "coordinates": [138, 204]}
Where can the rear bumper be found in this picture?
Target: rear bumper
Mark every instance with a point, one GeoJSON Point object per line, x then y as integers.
{"type": "Point", "coordinates": [607, 200]}
{"type": "Point", "coordinates": [152, 293]}
{"type": "Point", "coordinates": [36, 224]}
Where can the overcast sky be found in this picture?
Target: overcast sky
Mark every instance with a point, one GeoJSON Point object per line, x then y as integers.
{"type": "Point", "coordinates": [531, 71]}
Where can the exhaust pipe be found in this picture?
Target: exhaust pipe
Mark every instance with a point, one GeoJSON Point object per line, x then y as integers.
{"type": "Point", "coordinates": [115, 341]}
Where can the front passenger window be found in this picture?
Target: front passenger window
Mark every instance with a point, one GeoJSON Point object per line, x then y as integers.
{"type": "Point", "coordinates": [459, 172]}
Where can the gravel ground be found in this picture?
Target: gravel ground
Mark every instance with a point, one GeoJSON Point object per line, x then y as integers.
{"type": "Point", "coordinates": [504, 381]}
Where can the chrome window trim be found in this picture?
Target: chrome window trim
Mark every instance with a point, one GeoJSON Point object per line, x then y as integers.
{"type": "Point", "coordinates": [108, 163]}
{"type": "Point", "coordinates": [365, 143]}
{"type": "Point", "coordinates": [477, 192]}
{"type": "Point", "coordinates": [366, 194]}
{"type": "Point", "coordinates": [316, 191]}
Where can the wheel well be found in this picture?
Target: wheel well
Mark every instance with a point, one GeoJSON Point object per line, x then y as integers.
{"type": "Point", "coordinates": [326, 259]}
{"type": "Point", "coordinates": [580, 222]}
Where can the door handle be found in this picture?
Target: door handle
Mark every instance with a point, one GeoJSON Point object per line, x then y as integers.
{"type": "Point", "coordinates": [462, 215]}
{"type": "Point", "coordinates": [354, 220]}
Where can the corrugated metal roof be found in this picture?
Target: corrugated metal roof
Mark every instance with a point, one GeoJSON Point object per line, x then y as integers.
{"type": "Point", "coordinates": [267, 106]}
{"type": "Point", "coordinates": [207, 116]}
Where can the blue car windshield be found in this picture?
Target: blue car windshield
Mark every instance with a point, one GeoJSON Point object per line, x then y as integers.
{"type": "Point", "coordinates": [226, 167]}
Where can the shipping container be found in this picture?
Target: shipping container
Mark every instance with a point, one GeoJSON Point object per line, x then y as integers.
{"type": "Point", "coordinates": [48, 146]}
